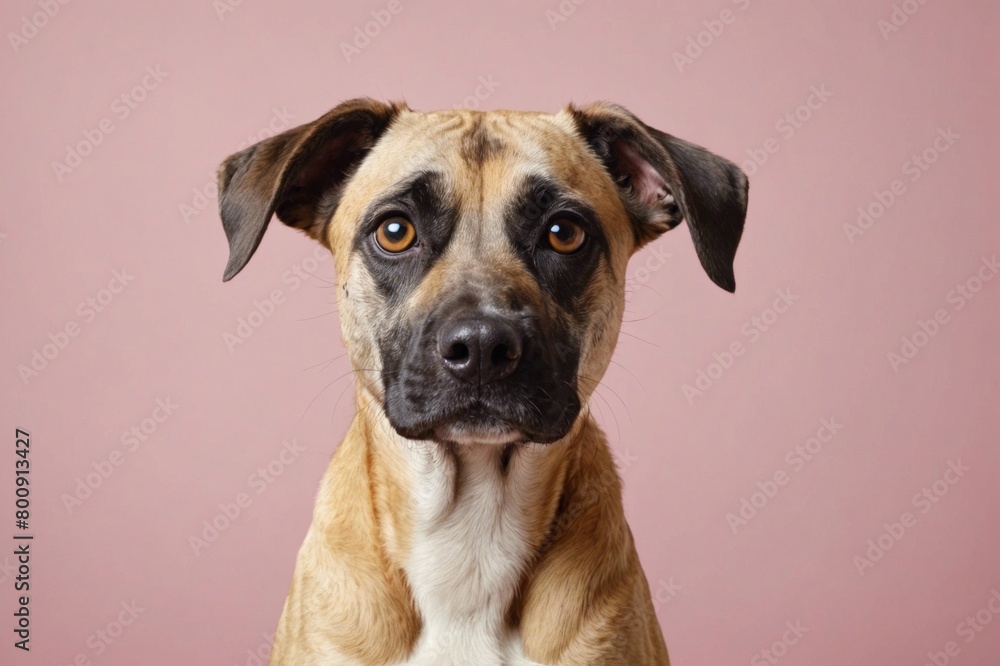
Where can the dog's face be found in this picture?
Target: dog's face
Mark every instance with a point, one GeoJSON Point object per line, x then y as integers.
{"type": "Point", "coordinates": [481, 256]}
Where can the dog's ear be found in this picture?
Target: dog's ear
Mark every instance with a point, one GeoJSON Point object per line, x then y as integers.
{"type": "Point", "coordinates": [298, 175]}
{"type": "Point", "coordinates": [664, 180]}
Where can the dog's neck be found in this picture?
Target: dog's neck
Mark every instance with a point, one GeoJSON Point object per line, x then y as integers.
{"type": "Point", "coordinates": [463, 523]}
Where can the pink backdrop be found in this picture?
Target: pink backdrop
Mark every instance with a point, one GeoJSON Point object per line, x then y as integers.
{"type": "Point", "coordinates": [809, 499]}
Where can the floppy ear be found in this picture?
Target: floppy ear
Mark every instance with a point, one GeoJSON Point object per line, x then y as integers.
{"type": "Point", "coordinates": [299, 174]}
{"type": "Point", "coordinates": [664, 180]}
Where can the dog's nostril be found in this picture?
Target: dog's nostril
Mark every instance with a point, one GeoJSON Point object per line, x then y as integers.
{"type": "Point", "coordinates": [479, 350]}
{"type": "Point", "coordinates": [456, 352]}
{"type": "Point", "coordinates": [503, 354]}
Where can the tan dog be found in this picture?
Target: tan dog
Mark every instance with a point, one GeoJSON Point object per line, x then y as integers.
{"type": "Point", "coordinates": [473, 514]}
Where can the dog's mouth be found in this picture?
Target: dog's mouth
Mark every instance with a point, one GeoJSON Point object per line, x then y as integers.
{"type": "Point", "coordinates": [479, 423]}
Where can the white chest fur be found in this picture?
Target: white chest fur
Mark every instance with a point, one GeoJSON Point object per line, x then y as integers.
{"type": "Point", "coordinates": [470, 546]}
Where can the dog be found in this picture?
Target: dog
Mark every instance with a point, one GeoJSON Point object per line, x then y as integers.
{"type": "Point", "coordinates": [472, 515]}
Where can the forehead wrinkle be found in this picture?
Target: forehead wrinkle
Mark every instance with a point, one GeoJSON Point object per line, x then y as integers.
{"type": "Point", "coordinates": [470, 195]}
{"type": "Point", "coordinates": [500, 181]}
{"type": "Point", "coordinates": [480, 246]}
{"type": "Point", "coordinates": [480, 142]}
{"type": "Point", "coordinates": [415, 142]}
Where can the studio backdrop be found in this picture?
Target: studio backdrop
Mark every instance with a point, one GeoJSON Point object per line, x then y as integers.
{"type": "Point", "coordinates": [809, 464]}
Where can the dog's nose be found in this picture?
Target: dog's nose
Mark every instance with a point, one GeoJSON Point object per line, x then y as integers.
{"type": "Point", "coordinates": [480, 350]}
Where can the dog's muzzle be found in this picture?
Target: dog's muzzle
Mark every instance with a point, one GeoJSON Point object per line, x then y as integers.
{"type": "Point", "coordinates": [474, 376]}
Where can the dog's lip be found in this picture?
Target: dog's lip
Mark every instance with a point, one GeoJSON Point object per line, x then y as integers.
{"type": "Point", "coordinates": [476, 422]}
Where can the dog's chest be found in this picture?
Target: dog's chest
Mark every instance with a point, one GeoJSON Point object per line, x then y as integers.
{"type": "Point", "coordinates": [471, 543]}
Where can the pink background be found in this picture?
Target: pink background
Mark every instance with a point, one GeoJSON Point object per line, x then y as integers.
{"type": "Point", "coordinates": [722, 597]}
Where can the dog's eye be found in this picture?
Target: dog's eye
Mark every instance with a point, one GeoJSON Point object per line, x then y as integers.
{"type": "Point", "coordinates": [396, 234]}
{"type": "Point", "coordinates": [566, 236]}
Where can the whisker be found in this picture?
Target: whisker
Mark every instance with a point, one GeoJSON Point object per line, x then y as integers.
{"type": "Point", "coordinates": [337, 403]}
{"type": "Point", "coordinates": [321, 279]}
{"type": "Point", "coordinates": [325, 314]}
{"type": "Point", "coordinates": [600, 411]}
{"type": "Point", "coordinates": [615, 393]}
{"type": "Point", "coordinates": [644, 286]}
{"type": "Point", "coordinates": [629, 372]}
{"type": "Point", "coordinates": [618, 428]}
{"type": "Point", "coordinates": [640, 339]}
{"type": "Point", "coordinates": [632, 321]}
{"type": "Point", "coordinates": [325, 363]}
{"type": "Point", "coordinates": [346, 374]}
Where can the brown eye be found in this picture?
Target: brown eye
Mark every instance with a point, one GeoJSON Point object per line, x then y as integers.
{"type": "Point", "coordinates": [396, 234]}
{"type": "Point", "coordinates": [566, 236]}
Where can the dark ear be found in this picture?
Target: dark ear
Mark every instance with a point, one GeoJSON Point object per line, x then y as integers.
{"type": "Point", "coordinates": [298, 174]}
{"type": "Point", "coordinates": [664, 180]}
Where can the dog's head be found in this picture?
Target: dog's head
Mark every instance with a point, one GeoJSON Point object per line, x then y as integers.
{"type": "Point", "coordinates": [481, 256]}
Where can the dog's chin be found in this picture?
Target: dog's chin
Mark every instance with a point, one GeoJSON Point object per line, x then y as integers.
{"type": "Point", "coordinates": [465, 434]}
{"type": "Point", "coordinates": [470, 433]}
{"type": "Point", "coordinates": [476, 431]}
